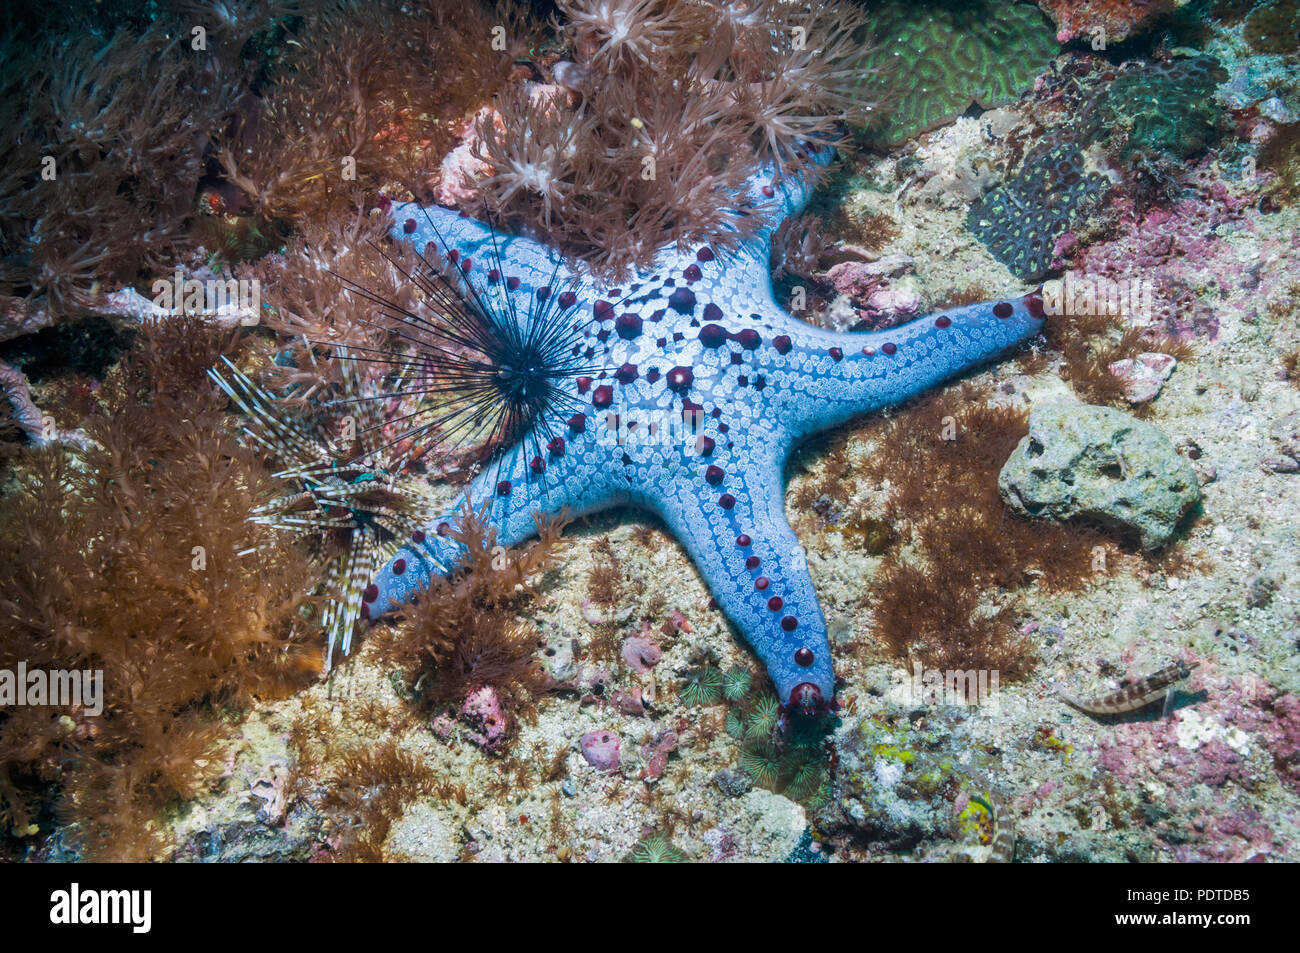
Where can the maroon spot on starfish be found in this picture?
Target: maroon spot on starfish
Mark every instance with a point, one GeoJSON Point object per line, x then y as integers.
{"type": "Point", "coordinates": [712, 312]}
{"type": "Point", "coordinates": [556, 446]}
{"type": "Point", "coordinates": [743, 541]}
{"type": "Point", "coordinates": [943, 321]}
{"type": "Point", "coordinates": [418, 536]}
{"type": "Point", "coordinates": [680, 379]}
{"type": "Point", "coordinates": [776, 603]}
{"type": "Point", "coordinates": [626, 374]}
{"type": "Point", "coordinates": [804, 657]}
{"type": "Point", "coordinates": [749, 339]}
{"type": "Point", "coordinates": [761, 583]}
{"type": "Point", "coordinates": [578, 423]}
{"type": "Point", "coordinates": [1002, 310]}
{"type": "Point", "coordinates": [408, 226]}
{"type": "Point", "coordinates": [692, 273]}
{"type": "Point", "coordinates": [726, 501]}
{"type": "Point", "coordinates": [714, 474]}
{"type": "Point", "coordinates": [704, 445]}
{"type": "Point", "coordinates": [1034, 305]}
{"type": "Point", "coordinates": [652, 375]}
{"type": "Point", "coordinates": [713, 335]}
{"type": "Point", "coordinates": [752, 562]}
{"type": "Point", "coordinates": [371, 593]}
{"type": "Point", "coordinates": [543, 292]}
{"type": "Point", "coordinates": [584, 384]}
{"type": "Point", "coordinates": [789, 623]}
{"type": "Point", "coordinates": [537, 464]}
{"type": "Point", "coordinates": [682, 300]}
{"type": "Point", "coordinates": [628, 326]}
{"type": "Point", "coordinates": [494, 275]}
{"type": "Point", "coordinates": [399, 566]}
{"type": "Point", "coordinates": [836, 354]}
{"type": "Point", "coordinates": [568, 299]}
{"type": "Point", "coordinates": [782, 344]}
{"type": "Point", "coordinates": [513, 283]}
{"type": "Point", "coordinates": [889, 347]}
{"type": "Point", "coordinates": [443, 529]}
{"type": "Point", "coordinates": [768, 191]}
{"type": "Point", "coordinates": [504, 488]}
{"type": "Point", "coordinates": [704, 254]}
{"type": "Point", "coordinates": [603, 396]}
{"type": "Point", "coordinates": [602, 310]}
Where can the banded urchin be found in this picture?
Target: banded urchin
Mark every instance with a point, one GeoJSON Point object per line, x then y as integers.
{"type": "Point", "coordinates": [342, 491]}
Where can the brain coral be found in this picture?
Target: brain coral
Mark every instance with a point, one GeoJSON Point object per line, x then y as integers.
{"type": "Point", "coordinates": [1021, 220]}
{"type": "Point", "coordinates": [932, 61]}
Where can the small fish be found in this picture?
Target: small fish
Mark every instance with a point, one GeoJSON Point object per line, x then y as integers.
{"type": "Point", "coordinates": [1136, 696]}
{"type": "Point", "coordinates": [1004, 828]}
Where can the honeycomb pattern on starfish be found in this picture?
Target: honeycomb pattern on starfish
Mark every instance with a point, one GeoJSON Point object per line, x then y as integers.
{"type": "Point", "coordinates": [708, 387]}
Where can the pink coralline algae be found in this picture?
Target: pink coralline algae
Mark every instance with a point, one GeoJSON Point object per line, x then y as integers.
{"type": "Point", "coordinates": [1242, 717]}
{"type": "Point", "coordinates": [1283, 740]}
{"type": "Point", "coordinates": [656, 754]}
{"type": "Point", "coordinates": [600, 748]}
{"type": "Point", "coordinates": [482, 713]}
{"type": "Point", "coordinates": [1180, 248]}
{"type": "Point", "coordinates": [1108, 20]}
{"type": "Point", "coordinates": [629, 702]}
{"type": "Point", "coordinates": [1144, 376]}
{"type": "Point", "coordinates": [642, 652]}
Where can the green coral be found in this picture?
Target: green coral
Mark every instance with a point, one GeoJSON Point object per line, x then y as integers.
{"type": "Point", "coordinates": [657, 848]}
{"type": "Point", "coordinates": [790, 760]}
{"type": "Point", "coordinates": [1168, 108]}
{"type": "Point", "coordinates": [932, 61]}
{"type": "Point", "coordinates": [703, 685]}
{"type": "Point", "coordinates": [735, 683]}
{"type": "Point", "coordinates": [1021, 220]}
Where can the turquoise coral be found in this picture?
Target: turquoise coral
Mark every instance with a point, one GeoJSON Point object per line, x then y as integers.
{"type": "Point", "coordinates": [930, 64]}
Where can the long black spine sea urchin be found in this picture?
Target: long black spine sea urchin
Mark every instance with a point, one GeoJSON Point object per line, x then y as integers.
{"type": "Point", "coordinates": [483, 368]}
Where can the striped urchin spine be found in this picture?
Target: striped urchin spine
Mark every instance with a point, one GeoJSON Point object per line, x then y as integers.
{"type": "Point", "coordinates": [341, 495]}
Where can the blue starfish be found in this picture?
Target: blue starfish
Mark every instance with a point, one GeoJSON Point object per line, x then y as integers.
{"type": "Point", "coordinates": [698, 339]}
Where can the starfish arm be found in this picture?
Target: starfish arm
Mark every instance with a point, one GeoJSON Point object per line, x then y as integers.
{"type": "Point", "coordinates": [738, 536]}
{"type": "Point", "coordinates": [533, 263]}
{"type": "Point", "coordinates": [511, 495]}
{"type": "Point", "coordinates": [818, 379]}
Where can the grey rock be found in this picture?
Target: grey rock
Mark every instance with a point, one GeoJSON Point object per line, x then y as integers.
{"type": "Point", "coordinates": [733, 783]}
{"type": "Point", "coordinates": [1103, 465]}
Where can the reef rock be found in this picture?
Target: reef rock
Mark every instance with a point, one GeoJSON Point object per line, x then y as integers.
{"type": "Point", "coordinates": [601, 749]}
{"type": "Point", "coordinates": [1102, 465]}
